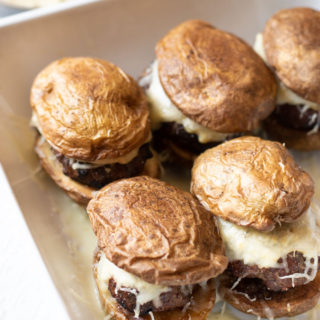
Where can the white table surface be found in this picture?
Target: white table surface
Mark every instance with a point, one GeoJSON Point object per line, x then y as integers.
{"type": "Point", "coordinates": [27, 291]}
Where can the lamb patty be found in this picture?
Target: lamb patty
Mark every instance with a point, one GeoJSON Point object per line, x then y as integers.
{"type": "Point", "coordinates": [172, 299]}
{"type": "Point", "coordinates": [296, 117]}
{"type": "Point", "coordinates": [273, 277]}
{"type": "Point", "coordinates": [100, 176]}
{"type": "Point", "coordinates": [176, 133]}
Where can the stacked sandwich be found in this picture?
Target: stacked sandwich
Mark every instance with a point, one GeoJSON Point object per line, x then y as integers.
{"type": "Point", "coordinates": [205, 86]}
{"type": "Point", "coordinates": [271, 232]}
{"type": "Point", "coordinates": [158, 251]}
{"type": "Point", "coordinates": [290, 45]}
{"type": "Point", "coordinates": [93, 125]}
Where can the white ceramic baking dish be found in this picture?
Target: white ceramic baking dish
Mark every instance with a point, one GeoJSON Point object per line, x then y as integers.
{"type": "Point", "coordinates": [124, 32]}
{"type": "Point", "coordinates": [29, 4]}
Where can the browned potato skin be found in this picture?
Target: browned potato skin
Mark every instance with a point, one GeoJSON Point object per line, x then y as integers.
{"type": "Point", "coordinates": [157, 232]}
{"type": "Point", "coordinates": [292, 45]}
{"type": "Point", "coordinates": [252, 182]}
{"type": "Point", "coordinates": [215, 78]}
{"type": "Point", "coordinates": [89, 109]}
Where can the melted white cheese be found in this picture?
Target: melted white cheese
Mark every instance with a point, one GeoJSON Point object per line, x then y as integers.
{"type": "Point", "coordinates": [94, 164]}
{"type": "Point", "coordinates": [34, 122]}
{"type": "Point", "coordinates": [143, 290]}
{"type": "Point", "coordinates": [284, 94]}
{"type": "Point", "coordinates": [163, 110]}
{"type": "Point", "coordinates": [265, 248]}
{"type": "Point", "coordinates": [258, 47]}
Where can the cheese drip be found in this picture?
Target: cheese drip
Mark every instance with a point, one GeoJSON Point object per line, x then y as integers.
{"type": "Point", "coordinates": [163, 110]}
{"type": "Point", "coordinates": [264, 249]}
{"type": "Point", "coordinates": [76, 164]}
{"type": "Point", "coordinates": [143, 290]}
{"type": "Point", "coordinates": [284, 94]}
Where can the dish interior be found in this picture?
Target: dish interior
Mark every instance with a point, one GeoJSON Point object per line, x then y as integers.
{"type": "Point", "coordinates": [125, 33]}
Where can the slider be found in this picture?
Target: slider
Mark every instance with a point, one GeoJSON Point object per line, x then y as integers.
{"type": "Point", "coordinates": [267, 221]}
{"type": "Point", "coordinates": [93, 125]}
{"type": "Point", "coordinates": [290, 45]}
{"type": "Point", "coordinates": [204, 87]}
{"type": "Point", "coordinates": [158, 251]}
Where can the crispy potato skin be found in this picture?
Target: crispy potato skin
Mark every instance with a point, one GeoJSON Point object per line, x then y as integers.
{"type": "Point", "coordinates": [215, 78]}
{"type": "Point", "coordinates": [291, 40]}
{"type": "Point", "coordinates": [89, 109]}
{"type": "Point", "coordinates": [157, 232]}
{"type": "Point", "coordinates": [252, 182]}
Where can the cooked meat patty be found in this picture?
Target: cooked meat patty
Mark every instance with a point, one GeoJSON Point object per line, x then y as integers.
{"type": "Point", "coordinates": [296, 117]}
{"type": "Point", "coordinates": [254, 288]}
{"type": "Point", "coordinates": [273, 277]}
{"type": "Point", "coordinates": [176, 133]}
{"type": "Point", "coordinates": [126, 297]}
{"type": "Point", "coordinates": [251, 296]}
{"type": "Point", "coordinates": [100, 176]}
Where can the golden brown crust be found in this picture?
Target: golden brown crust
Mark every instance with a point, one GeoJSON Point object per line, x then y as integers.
{"type": "Point", "coordinates": [282, 304]}
{"type": "Point", "coordinates": [292, 46]}
{"type": "Point", "coordinates": [80, 193]}
{"type": "Point", "coordinates": [252, 182]}
{"type": "Point", "coordinates": [203, 302]}
{"type": "Point", "coordinates": [215, 78]}
{"type": "Point", "coordinates": [157, 232]}
{"type": "Point", "coordinates": [293, 139]}
{"type": "Point", "coordinates": [89, 109]}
